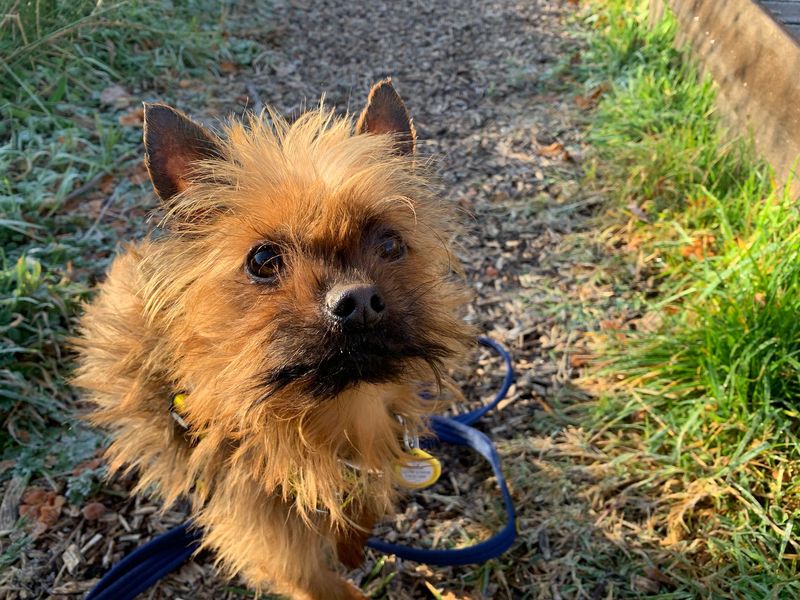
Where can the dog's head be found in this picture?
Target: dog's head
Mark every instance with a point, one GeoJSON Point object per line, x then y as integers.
{"type": "Point", "coordinates": [300, 261]}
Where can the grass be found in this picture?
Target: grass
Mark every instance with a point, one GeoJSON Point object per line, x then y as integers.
{"type": "Point", "coordinates": [73, 74]}
{"type": "Point", "coordinates": [709, 392]}
{"type": "Point", "coordinates": [655, 129]}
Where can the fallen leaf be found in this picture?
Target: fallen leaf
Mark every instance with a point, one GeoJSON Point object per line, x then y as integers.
{"type": "Point", "coordinates": [228, 67]}
{"type": "Point", "coordinates": [116, 96]}
{"type": "Point", "coordinates": [133, 118]}
{"type": "Point", "coordinates": [41, 506]}
{"type": "Point", "coordinates": [638, 212]}
{"type": "Point", "coordinates": [643, 584]}
{"type": "Point", "coordinates": [657, 575]}
{"type": "Point", "coordinates": [554, 149]}
{"type": "Point", "coordinates": [577, 361]}
{"type": "Point", "coordinates": [93, 207]}
{"type": "Point", "coordinates": [649, 323]}
{"type": "Point", "coordinates": [700, 247]}
{"type": "Point", "coordinates": [611, 324]}
{"type": "Point", "coordinates": [34, 495]}
{"type": "Point", "coordinates": [591, 99]}
{"type": "Point", "coordinates": [87, 465]}
{"type": "Point", "coordinates": [106, 184]}
{"type": "Point", "coordinates": [93, 511]}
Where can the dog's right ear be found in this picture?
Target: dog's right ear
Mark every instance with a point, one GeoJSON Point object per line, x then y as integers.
{"type": "Point", "coordinates": [172, 144]}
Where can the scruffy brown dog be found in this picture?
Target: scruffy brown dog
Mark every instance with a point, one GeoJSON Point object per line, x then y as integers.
{"type": "Point", "coordinates": [301, 291]}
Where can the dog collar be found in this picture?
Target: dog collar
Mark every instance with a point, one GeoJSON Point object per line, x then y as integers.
{"type": "Point", "coordinates": [176, 408]}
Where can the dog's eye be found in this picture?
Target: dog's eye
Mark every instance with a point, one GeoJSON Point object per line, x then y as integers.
{"type": "Point", "coordinates": [391, 246]}
{"type": "Point", "coordinates": [263, 263]}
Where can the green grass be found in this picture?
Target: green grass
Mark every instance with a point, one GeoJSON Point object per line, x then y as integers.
{"type": "Point", "coordinates": [711, 394]}
{"type": "Point", "coordinates": [68, 159]}
{"type": "Point", "coordinates": [655, 129]}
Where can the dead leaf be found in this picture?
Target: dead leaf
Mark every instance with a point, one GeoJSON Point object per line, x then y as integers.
{"type": "Point", "coordinates": [649, 323]}
{"type": "Point", "coordinates": [133, 118]}
{"type": "Point", "coordinates": [116, 96]}
{"type": "Point", "coordinates": [657, 575]}
{"type": "Point", "coordinates": [591, 99]}
{"type": "Point", "coordinates": [611, 324]}
{"type": "Point", "coordinates": [106, 184]}
{"type": "Point", "coordinates": [93, 207]}
{"type": "Point", "coordinates": [643, 584]}
{"type": "Point", "coordinates": [93, 511]}
{"type": "Point", "coordinates": [638, 212]}
{"type": "Point", "coordinates": [87, 465]}
{"type": "Point", "coordinates": [700, 247]}
{"type": "Point", "coordinates": [228, 67]}
{"type": "Point", "coordinates": [554, 150]}
{"type": "Point", "coordinates": [41, 506]}
{"type": "Point", "coordinates": [577, 361]}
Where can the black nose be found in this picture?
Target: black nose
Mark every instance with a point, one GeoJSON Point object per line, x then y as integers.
{"type": "Point", "coordinates": [354, 305]}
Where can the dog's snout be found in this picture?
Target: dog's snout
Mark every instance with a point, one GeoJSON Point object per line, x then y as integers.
{"type": "Point", "coordinates": [354, 305]}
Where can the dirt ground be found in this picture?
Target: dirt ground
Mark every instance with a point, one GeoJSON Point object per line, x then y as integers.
{"type": "Point", "coordinates": [475, 76]}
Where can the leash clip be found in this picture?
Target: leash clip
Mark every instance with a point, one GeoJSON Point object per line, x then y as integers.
{"type": "Point", "coordinates": [411, 442]}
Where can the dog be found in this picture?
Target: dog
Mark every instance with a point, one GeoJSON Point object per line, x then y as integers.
{"type": "Point", "coordinates": [263, 354]}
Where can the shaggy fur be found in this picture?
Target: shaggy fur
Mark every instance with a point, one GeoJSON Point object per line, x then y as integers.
{"type": "Point", "coordinates": [280, 402]}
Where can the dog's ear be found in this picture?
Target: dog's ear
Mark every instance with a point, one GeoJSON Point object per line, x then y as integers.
{"type": "Point", "coordinates": [172, 144]}
{"type": "Point", "coordinates": [386, 113]}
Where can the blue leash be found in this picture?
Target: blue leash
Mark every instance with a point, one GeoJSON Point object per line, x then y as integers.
{"type": "Point", "coordinates": [456, 430]}
{"type": "Point", "coordinates": [147, 564]}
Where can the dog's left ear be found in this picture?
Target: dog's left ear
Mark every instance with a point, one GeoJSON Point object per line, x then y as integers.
{"type": "Point", "coordinates": [386, 113]}
{"type": "Point", "coordinates": [173, 143]}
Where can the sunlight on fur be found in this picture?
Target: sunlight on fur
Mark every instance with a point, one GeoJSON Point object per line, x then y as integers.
{"type": "Point", "coordinates": [281, 398]}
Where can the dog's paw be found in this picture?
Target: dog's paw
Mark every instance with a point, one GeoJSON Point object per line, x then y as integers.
{"type": "Point", "coordinates": [355, 592]}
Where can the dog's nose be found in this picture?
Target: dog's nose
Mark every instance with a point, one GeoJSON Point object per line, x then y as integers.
{"type": "Point", "coordinates": [354, 305]}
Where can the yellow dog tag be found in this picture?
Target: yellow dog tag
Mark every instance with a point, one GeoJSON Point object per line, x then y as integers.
{"type": "Point", "coordinates": [179, 402]}
{"type": "Point", "coordinates": [417, 470]}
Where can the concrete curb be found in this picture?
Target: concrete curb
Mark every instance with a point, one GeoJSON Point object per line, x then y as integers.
{"type": "Point", "coordinates": [755, 63]}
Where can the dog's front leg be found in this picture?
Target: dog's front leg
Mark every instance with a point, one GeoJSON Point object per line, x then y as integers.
{"type": "Point", "coordinates": [350, 542]}
{"type": "Point", "coordinates": [264, 539]}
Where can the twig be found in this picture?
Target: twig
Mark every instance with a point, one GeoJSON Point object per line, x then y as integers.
{"type": "Point", "coordinates": [258, 106]}
{"type": "Point", "coordinates": [10, 505]}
